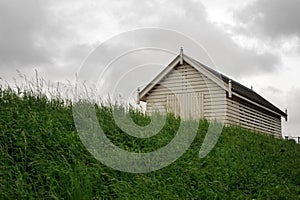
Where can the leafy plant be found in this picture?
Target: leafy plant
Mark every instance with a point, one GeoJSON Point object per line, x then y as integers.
{"type": "Point", "coordinates": [41, 156]}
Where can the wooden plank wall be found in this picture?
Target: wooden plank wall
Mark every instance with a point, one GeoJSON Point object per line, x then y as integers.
{"type": "Point", "coordinates": [186, 105]}
{"type": "Point", "coordinates": [216, 106]}
{"type": "Point", "coordinates": [247, 117]}
{"type": "Point", "coordinates": [186, 79]}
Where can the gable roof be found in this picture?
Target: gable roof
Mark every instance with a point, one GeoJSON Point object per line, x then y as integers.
{"type": "Point", "coordinates": [220, 79]}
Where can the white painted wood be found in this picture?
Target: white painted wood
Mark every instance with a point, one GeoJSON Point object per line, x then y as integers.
{"type": "Point", "coordinates": [245, 116]}
{"type": "Point", "coordinates": [186, 105]}
{"type": "Point", "coordinates": [229, 89]}
{"type": "Point", "coordinates": [199, 68]}
{"type": "Point", "coordinates": [158, 78]}
{"type": "Point", "coordinates": [254, 103]}
{"type": "Point", "coordinates": [186, 82]}
{"type": "Point", "coordinates": [190, 86]}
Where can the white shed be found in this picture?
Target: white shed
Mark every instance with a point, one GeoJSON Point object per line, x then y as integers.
{"type": "Point", "coordinates": [190, 89]}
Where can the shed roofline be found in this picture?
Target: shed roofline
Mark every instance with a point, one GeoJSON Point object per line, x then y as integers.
{"type": "Point", "coordinates": [171, 66]}
{"type": "Point", "coordinates": [217, 80]}
{"type": "Point", "coordinates": [214, 76]}
{"type": "Point", "coordinates": [256, 104]}
{"type": "Point", "coordinates": [159, 77]}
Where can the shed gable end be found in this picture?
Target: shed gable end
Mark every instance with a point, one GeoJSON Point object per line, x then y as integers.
{"type": "Point", "coordinates": [185, 79]}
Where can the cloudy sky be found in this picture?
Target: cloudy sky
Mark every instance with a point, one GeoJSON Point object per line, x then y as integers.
{"type": "Point", "coordinates": [253, 42]}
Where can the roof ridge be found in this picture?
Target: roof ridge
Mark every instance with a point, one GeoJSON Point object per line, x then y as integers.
{"type": "Point", "coordinates": [222, 76]}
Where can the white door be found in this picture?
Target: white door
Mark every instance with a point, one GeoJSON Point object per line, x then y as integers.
{"type": "Point", "coordinates": [186, 105]}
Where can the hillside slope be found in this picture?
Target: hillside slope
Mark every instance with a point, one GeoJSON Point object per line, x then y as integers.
{"type": "Point", "coordinates": [41, 156]}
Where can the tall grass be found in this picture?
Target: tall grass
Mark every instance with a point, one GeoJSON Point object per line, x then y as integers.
{"type": "Point", "coordinates": [42, 157]}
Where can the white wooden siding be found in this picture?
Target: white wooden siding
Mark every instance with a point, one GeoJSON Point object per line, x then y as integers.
{"type": "Point", "coordinates": [187, 83]}
{"type": "Point", "coordinates": [186, 105]}
{"type": "Point", "coordinates": [187, 80]}
{"type": "Point", "coordinates": [245, 116]}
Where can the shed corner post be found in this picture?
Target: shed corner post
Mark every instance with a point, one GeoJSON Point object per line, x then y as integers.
{"type": "Point", "coordinates": [138, 96]}
{"type": "Point", "coordinates": [286, 115]}
{"type": "Point", "coordinates": [229, 89]}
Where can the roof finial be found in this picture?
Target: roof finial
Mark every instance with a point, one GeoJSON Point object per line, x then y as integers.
{"type": "Point", "coordinates": [181, 55]}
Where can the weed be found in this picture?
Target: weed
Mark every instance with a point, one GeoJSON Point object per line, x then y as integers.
{"type": "Point", "coordinates": [41, 156]}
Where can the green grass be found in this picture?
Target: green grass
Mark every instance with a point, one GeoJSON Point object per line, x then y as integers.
{"type": "Point", "coordinates": [42, 157]}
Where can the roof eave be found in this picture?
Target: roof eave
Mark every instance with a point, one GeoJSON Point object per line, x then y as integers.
{"type": "Point", "coordinates": [158, 78]}
{"type": "Point", "coordinates": [218, 78]}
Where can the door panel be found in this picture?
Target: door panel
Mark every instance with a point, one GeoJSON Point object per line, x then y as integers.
{"type": "Point", "coordinates": [186, 105]}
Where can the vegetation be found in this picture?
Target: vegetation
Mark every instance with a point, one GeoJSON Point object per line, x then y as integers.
{"type": "Point", "coordinates": [41, 156]}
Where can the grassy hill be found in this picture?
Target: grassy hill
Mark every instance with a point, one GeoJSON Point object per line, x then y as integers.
{"type": "Point", "coordinates": [41, 156]}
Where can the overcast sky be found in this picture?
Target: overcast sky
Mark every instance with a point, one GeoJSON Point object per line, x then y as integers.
{"type": "Point", "coordinates": [253, 42]}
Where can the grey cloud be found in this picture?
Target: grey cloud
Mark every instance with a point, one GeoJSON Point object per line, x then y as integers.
{"type": "Point", "coordinates": [272, 90]}
{"type": "Point", "coordinates": [190, 18]}
{"type": "Point", "coordinates": [20, 23]}
{"type": "Point", "coordinates": [77, 53]}
{"type": "Point", "coordinates": [274, 95]}
{"type": "Point", "coordinates": [274, 18]}
{"type": "Point", "coordinates": [35, 35]}
{"type": "Point", "coordinates": [293, 112]}
{"type": "Point", "coordinates": [28, 24]}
